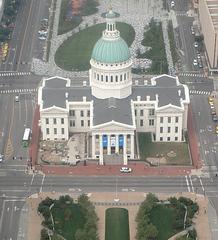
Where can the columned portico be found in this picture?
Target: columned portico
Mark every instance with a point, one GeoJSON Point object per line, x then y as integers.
{"type": "Point", "coordinates": [110, 144]}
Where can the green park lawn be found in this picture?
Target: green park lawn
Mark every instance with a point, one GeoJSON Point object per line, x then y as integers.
{"type": "Point", "coordinates": [75, 53]}
{"type": "Point", "coordinates": [67, 219]}
{"type": "Point", "coordinates": [117, 224]}
{"type": "Point", "coordinates": [147, 148]}
{"type": "Point", "coordinates": [163, 218]}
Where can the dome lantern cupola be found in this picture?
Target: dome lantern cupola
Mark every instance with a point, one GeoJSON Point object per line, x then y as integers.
{"type": "Point", "coordinates": [110, 73]}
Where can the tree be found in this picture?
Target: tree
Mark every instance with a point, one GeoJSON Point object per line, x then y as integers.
{"type": "Point", "coordinates": [44, 234]}
{"type": "Point", "coordinates": [151, 232]}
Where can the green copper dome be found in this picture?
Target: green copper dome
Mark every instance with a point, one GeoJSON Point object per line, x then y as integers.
{"type": "Point", "coordinates": [107, 51]}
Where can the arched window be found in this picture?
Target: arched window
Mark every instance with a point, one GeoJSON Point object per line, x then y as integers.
{"type": "Point", "coordinates": [102, 78]}
{"type": "Point", "coordinates": [111, 78]}
{"type": "Point", "coordinates": [121, 77]}
{"type": "Point", "coordinates": [124, 76]}
{"type": "Point", "coordinates": [116, 78]}
{"type": "Point", "coordinates": [106, 78]}
{"type": "Point", "coordinates": [97, 76]}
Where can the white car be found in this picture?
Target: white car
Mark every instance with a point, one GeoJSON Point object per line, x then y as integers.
{"type": "Point", "coordinates": [195, 62]}
{"type": "Point", "coordinates": [125, 170]}
{"type": "Point", "coordinates": [172, 4]}
{"type": "Point", "coordinates": [42, 38]}
{"type": "Point", "coordinates": [1, 157]}
{"type": "Point", "coordinates": [195, 44]}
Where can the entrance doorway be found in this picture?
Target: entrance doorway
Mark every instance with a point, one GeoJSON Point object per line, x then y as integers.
{"type": "Point", "coordinates": [113, 150]}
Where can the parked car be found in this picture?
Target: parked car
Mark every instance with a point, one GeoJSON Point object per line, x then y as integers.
{"type": "Point", "coordinates": [195, 44]}
{"type": "Point", "coordinates": [213, 112]}
{"type": "Point", "coordinates": [125, 170]}
{"type": "Point", "coordinates": [216, 130]}
{"type": "Point", "coordinates": [172, 4]}
{"type": "Point", "coordinates": [1, 157]}
{"type": "Point", "coordinates": [195, 62]}
{"type": "Point", "coordinates": [215, 118]}
{"type": "Point", "coordinates": [192, 30]}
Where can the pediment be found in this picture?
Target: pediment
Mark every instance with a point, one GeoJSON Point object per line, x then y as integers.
{"type": "Point", "coordinates": [113, 126]}
{"type": "Point", "coordinates": [170, 109]}
{"type": "Point", "coordinates": [54, 110]}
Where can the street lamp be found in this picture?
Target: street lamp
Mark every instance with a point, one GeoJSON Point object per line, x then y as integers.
{"type": "Point", "coordinates": [116, 199]}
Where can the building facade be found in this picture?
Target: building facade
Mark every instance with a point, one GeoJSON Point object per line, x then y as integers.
{"type": "Point", "coordinates": [114, 106]}
{"type": "Point", "coordinates": [208, 16]}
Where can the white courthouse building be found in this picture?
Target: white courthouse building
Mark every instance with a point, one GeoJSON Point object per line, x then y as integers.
{"type": "Point", "coordinates": [111, 107]}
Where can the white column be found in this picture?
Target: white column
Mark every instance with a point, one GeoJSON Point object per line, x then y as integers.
{"type": "Point", "coordinates": [132, 146]}
{"type": "Point", "coordinates": [117, 144]}
{"type": "Point", "coordinates": [93, 145]}
{"type": "Point", "coordinates": [108, 144]}
{"type": "Point", "coordinates": [101, 160]}
{"type": "Point", "coordinates": [124, 150]}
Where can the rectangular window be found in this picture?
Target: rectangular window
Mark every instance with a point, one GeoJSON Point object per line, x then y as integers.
{"type": "Point", "coordinates": [176, 129]}
{"type": "Point", "coordinates": [88, 113]}
{"type": "Point", "coordinates": [168, 139]}
{"type": "Point", "coordinates": [54, 120]}
{"type": "Point", "coordinates": [96, 136]}
{"type": "Point", "coordinates": [47, 130]}
{"type": "Point", "coordinates": [71, 123]}
{"type": "Point", "coordinates": [151, 112]}
{"type": "Point", "coordinates": [168, 129]}
{"type": "Point", "coordinates": [161, 139]}
{"type": "Point", "coordinates": [88, 123]}
{"type": "Point", "coordinates": [72, 113]}
{"type": "Point", "coordinates": [135, 112]}
{"type": "Point", "coordinates": [169, 119]}
{"type": "Point", "coordinates": [176, 138]}
{"type": "Point", "coordinates": [141, 112]}
{"type": "Point", "coordinates": [62, 120]}
{"type": "Point", "coordinates": [161, 119]}
{"type": "Point", "coordinates": [141, 123]}
{"type": "Point", "coordinates": [82, 123]}
{"type": "Point", "coordinates": [161, 129]}
{"type": "Point", "coordinates": [151, 122]}
{"type": "Point", "coordinates": [47, 121]}
{"type": "Point", "coordinates": [62, 130]}
{"type": "Point", "coordinates": [102, 78]}
{"type": "Point", "coordinates": [177, 119]}
{"type": "Point", "coordinates": [55, 130]}
{"type": "Point", "coordinates": [81, 113]}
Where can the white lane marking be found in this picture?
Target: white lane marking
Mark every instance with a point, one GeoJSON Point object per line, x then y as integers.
{"type": "Point", "coordinates": [31, 183]}
{"type": "Point", "coordinates": [191, 184]}
{"type": "Point", "coordinates": [43, 179]}
{"type": "Point", "coordinates": [187, 183]}
{"type": "Point", "coordinates": [1, 219]}
{"type": "Point", "coordinates": [201, 184]}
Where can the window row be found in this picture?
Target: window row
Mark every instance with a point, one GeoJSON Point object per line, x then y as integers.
{"type": "Point", "coordinates": [82, 123]}
{"type": "Point", "coordinates": [111, 78]}
{"type": "Point", "coordinates": [141, 112]}
{"type": "Point", "coordinates": [169, 119]}
{"type": "Point", "coordinates": [169, 139]}
{"type": "Point", "coordinates": [53, 120]}
{"type": "Point", "coordinates": [150, 122]}
{"type": "Point", "coordinates": [169, 129]}
{"type": "Point", "coordinates": [82, 113]}
{"type": "Point", "coordinates": [55, 131]}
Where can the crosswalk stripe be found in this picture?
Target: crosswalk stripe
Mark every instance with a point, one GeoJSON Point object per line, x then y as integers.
{"type": "Point", "coordinates": [25, 90]}
{"type": "Point", "coordinates": [3, 74]}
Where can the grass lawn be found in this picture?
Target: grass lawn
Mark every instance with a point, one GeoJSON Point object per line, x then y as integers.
{"type": "Point", "coordinates": [147, 148]}
{"type": "Point", "coordinates": [75, 52]}
{"type": "Point", "coordinates": [154, 38]}
{"type": "Point", "coordinates": [68, 219]}
{"type": "Point", "coordinates": [65, 26]}
{"type": "Point", "coordinates": [163, 218]}
{"type": "Point", "coordinates": [117, 224]}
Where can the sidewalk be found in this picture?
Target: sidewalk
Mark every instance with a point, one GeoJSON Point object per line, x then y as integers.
{"type": "Point", "coordinates": [138, 169]}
